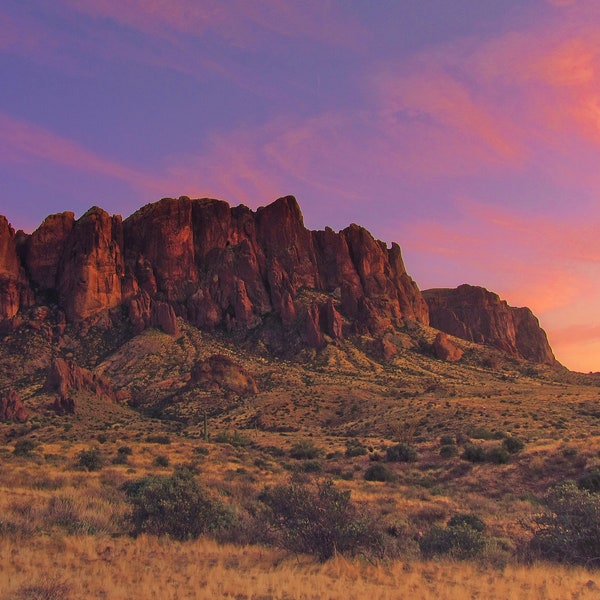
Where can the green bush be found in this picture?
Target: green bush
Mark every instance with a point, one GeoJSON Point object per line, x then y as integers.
{"type": "Point", "coordinates": [468, 519]}
{"type": "Point", "coordinates": [447, 440]}
{"type": "Point", "coordinates": [90, 460]}
{"type": "Point", "coordinates": [473, 453]}
{"type": "Point", "coordinates": [448, 451]}
{"type": "Point", "coordinates": [311, 466]}
{"type": "Point", "coordinates": [590, 481]}
{"type": "Point", "coordinates": [319, 519]}
{"type": "Point", "coordinates": [23, 447]}
{"type": "Point", "coordinates": [458, 541]}
{"type": "Point", "coordinates": [161, 461]}
{"type": "Point", "coordinates": [569, 530]}
{"type": "Point", "coordinates": [379, 472]}
{"type": "Point", "coordinates": [355, 448]}
{"type": "Point", "coordinates": [305, 449]}
{"type": "Point", "coordinates": [174, 505]}
{"type": "Point", "coordinates": [498, 455]}
{"type": "Point", "coordinates": [234, 438]}
{"type": "Point", "coordinates": [513, 445]}
{"type": "Point", "coordinates": [401, 453]}
{"type": "Point", "coordinates": [158, 439]}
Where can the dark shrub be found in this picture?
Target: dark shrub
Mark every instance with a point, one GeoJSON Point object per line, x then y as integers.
{"type": "Point", "coordinates": [158, 439]}
{"type": "Point", "coordinates": [319, 519]}
{"type": "Point", "coordinates": [498, 455]}
{"type": "Point", "coordinates": [459, 542]}
{"type": "Point", "coordinates": [311, 466]}
{"type": "Point", "coordinates": [448, 451]}
{"type": "Point", "coordinates": [473, 453]}
{"type": "Point", "coordinates": [174, 505]}
{"type": "Point", "coordinates": [569, 530]}
{"type": "Point", "coordinates": [468, 519]}
{"type": "Point", "coordinates": [401, 453]}
{"type": "Point", "coordinates": [90, 460]}
{"type": "Point", "coordinates": [23, 447]}
{"type": "Point", "coordinates": [513, 445]}
{"type": "Point", "coordinates": [379, 472]}
{"type": "Point", "coordinates": [355, 448]}
{"type": "Point", "coordinates": [161, 461]}
{"type": "Point", "coordinates": [590, 481]}
{"type": "Point", "coordinates": [122, 455]}
{"type": "Point", "coordinates": [234, 438]}
{"type": "Point", "coordinates": [447, 440]}
{"type": "Point", "coordinates": [305, 449]}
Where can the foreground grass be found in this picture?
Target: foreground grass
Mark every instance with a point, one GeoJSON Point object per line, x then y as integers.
{"type": "Point", "coordinates": [77, 567]}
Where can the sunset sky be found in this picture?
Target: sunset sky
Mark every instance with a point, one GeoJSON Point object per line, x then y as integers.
{"type": "Point", "coordinates": [466, 130]}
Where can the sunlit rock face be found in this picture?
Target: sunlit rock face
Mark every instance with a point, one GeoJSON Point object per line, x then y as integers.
{"type": "Point", "coordinates": [478, 315]}
{"type": "Point", "coordinates": [215, 266]}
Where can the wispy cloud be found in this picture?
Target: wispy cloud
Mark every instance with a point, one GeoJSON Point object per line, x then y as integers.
{"type": "Point", "coordinates": [22, 142]}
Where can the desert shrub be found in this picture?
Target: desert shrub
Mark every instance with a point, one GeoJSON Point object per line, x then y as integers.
{"type": "Point", "coordinates": [122, 455]}
{"type": "Point", "coordinates": [161, 461]}
{"type": "Point", "coordinates": [481, 433]}
{"type": "Point", "coordinates": [513, 445]}
{"type": "Point", "coordinates": [234, 438]}
{"type": "Point", "coordinates": [23, 447]}
{"type": "Point", "coordinates": [569, 530]}
{"type": "Point", "coordinates": [379, 472]}
{"type": "Point", "coordinates": [311, 466]}
{"type": "Point", "coordinates": [201, 450]}
{"type": "Point", "coordinates": [355, 448]}
{"type": "Point", "coordinates": [448, 451]}
{"type": "Point", "coordinates": [468, 519]}
{"type": "Point", "coordinates": [447, 440]}
{"type": "Point", "coordinates": [174, 505]}
{"type": "Point", "coordinates": [305, 449]}
{"type": "Point", "coordinates": [101, 438]}
{"type": "Point", "coordinates": [459, 541]}
{"type": "Point", "coordinates": [473, 453]}
{"type": "Point", "coordinates": [319, 519]}
{"type": "Point", "coordinates": [498, 455]}
{"type": "Point", "coordinates": [401, 453]}
{"type": "Point", "coordinates": [158, 439]}
{"type": "Point", "coordinates": [48, 589]}
{"type": "Point", "coordinates": [90, 460]}
{"type": "Point", "coordinates": [590, 481]}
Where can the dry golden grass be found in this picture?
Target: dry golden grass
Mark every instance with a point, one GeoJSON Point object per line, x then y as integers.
{"type": "Point", "coordinates": [147, 567]}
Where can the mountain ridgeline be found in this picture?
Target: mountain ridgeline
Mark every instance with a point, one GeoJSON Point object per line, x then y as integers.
{"type": "Point", "coordinates": [251, 273]}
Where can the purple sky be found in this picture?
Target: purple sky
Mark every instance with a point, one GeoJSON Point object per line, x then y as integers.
{"type": "Point", "coordinates": [466, 130]}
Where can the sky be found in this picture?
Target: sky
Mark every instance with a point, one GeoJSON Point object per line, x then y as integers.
{"type": "Point", "coordinates": [466, 130]}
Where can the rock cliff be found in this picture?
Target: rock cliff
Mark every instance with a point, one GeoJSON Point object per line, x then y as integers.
{"type": "Point", "coordinates": [213, 265]}
{"type": "Point", "coordinates": [475, 314]}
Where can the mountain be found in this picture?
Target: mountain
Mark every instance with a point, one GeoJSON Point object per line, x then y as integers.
{"type": "Point", "coordinates": [254, 275]}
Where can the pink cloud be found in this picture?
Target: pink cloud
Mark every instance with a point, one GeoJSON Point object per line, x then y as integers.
{"type": "Point", "coordinates": [240, 22]}
{"type": "Point", "coordinates": [21, 141]}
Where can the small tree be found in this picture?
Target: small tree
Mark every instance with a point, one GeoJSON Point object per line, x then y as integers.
{"type": "Point", "coordinates": [401, 453]}
{"type": "Point", "coordinates": [318, 519]}
{"type": "Point", "coordinates": [174, 505]}
{"type": "Point", "coordinates": [569, 530]}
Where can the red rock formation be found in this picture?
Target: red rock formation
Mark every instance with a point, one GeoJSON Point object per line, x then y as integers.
{"type": "Point", "coordinates": [220, 372]}
{"type": "Point", "coordinates": [446, 350]}
{"type": "Point", "coordinates": [475, 314]}
{"type": "Point", "coordinates": [11, 408]}
{"type": "Point", "coordinates": [65, 376]}
{"type": "Point", "coordinates": [91, 267]}
{"type": "Point", "coordinates": [218, 267]}
{"type": "Point", "coordinates": [15, 292]}
{"type": "Point", "coordinates": [44, 248]}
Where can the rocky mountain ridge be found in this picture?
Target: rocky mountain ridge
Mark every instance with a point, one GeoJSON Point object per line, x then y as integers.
{"type": "Point", "coordinates": [245, 272]}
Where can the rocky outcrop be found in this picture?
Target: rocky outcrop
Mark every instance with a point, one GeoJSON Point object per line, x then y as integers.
{"type": "Point", "coordinates": [219, 372]}
{"type": "Point", "coordinates": [444, 349]}
{"type": "Point", "coordinates": [64, 377]}
{"type": "Point", "coordinates": [477, 315]}
{"type": "Point", "coordinates": [11, 408]}
{"type": "Point", "coordinates": [15, 292]}
{"type": "Point", "coordinates": [215, 266]}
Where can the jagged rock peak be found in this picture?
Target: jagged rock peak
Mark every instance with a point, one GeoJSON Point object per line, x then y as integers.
{"type": "Point", "coordinates": [478, 315]}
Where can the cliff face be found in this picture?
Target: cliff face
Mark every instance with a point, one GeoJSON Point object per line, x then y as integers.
{"type": "Point", "coordinates": [475, 314]}
{"type": "Point", "coordinates": [216, 266]}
